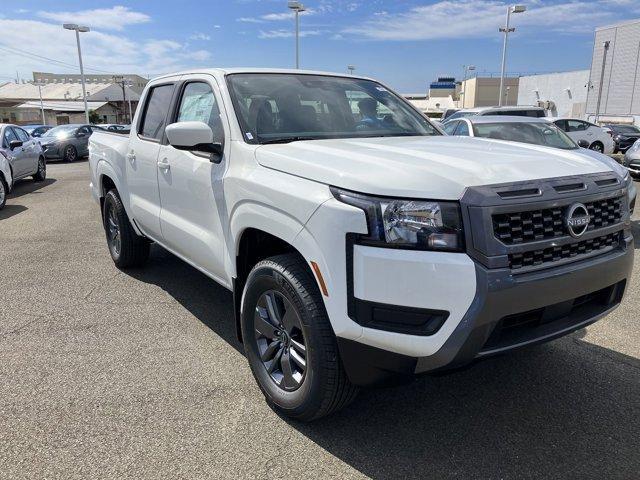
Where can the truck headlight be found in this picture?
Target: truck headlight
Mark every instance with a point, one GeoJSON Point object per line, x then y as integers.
{"type": "Point", "coordinates": [408, 224]}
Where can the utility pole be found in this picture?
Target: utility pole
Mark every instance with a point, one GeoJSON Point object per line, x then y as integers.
{"type": "Point", "coordinates": [120, 81]}
{"type": "Point", "coordinates": [605, 46]}
{"type": "Point", "coordinates": [39, 85]}
{"type": "Point", "coordinates": [506, 30]}
{"type": "Point", "coordinates": [466, 69]}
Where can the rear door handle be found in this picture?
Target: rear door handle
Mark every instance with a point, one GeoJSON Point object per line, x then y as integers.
{"type": "Point", "coordinates": [164, 164]}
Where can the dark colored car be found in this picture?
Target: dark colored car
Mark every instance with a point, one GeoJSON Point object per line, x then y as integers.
{"type": "Point", "coordinates": [37, 130]}
{"type": "Point", "coordinates": [623, 136]}
{"type": "Point", "coordinates": [66, 142]}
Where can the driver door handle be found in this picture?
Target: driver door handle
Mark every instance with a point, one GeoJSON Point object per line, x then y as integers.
{"type": "Point", "coordinates": [131, 157]}
{"type": "Point", "coordinates": [164, 164]}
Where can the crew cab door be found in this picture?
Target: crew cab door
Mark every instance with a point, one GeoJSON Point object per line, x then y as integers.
{"type": "Point", "coordinates": [193, 212]}
{"type": "Point", "coordinates": [141, 162]}
{"type": "Point", "coordinates": [29, 149]}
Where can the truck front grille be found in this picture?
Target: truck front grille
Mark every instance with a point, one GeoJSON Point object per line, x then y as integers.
{"type": "Point", "coordinates": [533, 225]}
{"type": "Point", "coordinates": [548, 255]}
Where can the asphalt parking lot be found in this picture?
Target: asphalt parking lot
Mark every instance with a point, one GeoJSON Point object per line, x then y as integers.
{"type": "Point", "coordinates": [106, 374]}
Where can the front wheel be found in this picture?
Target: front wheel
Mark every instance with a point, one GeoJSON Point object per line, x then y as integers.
{"type": "Point", "coordinates": [127, 248]}
{"type": "Point", "coordinates": [41, 173]}
{"type": "Point", "coordinates": [597, 147]}
{"type": "Point", "coordinates": [3, 193]}
{"type": "Point", "coordinates": [70, 154]}
{"type": "Point", "coordinates": [289, 342]}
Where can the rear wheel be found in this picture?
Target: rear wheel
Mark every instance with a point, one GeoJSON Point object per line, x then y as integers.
{"type": "Point", "coordinates": [70, 154]}
{"type": "Point", "coordinates": [289, 342]}
{"type": "Point", "coordinates": [41, 174]}
{"type": "Point", "coordinates": [597, 147]}
{"type": "Point", "coordinates": [127, 248]}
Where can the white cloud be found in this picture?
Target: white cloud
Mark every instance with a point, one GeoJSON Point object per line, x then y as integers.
{"type": "Point", "coordinates": [476, 18]}
{"type": "Point", "coordinates": [101, 51]}
{"type": "Point", "coordinates": [282, 33]}
{"type": "Point", "coordinates": [202, 36]}
{"type": "Point", "coordinates": [275, 17]}
{"type": "Point", "coordinates": [114, 18]}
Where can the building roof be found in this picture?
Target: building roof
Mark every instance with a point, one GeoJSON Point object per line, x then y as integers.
{"type": "Point", "coordinates": [65, 91]}
{"type": "Point", "coordinates": [620, 24]}
{"type": "Point", "coordinates": [62, 106]}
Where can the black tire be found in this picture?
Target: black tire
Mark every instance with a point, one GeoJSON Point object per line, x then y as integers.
{"type": "Point", "coordinates": [597, 147]}
{"type": "Point", "coordinates": [4, 191]}
{"type": "Point", "coordinates": [70, 154]}
{"type": "Point", "coordinates": [324, 387]}
{"type": "Point", "coordinates": [41, 173]}
{"type": "Point", "coordinates": [131, 250]}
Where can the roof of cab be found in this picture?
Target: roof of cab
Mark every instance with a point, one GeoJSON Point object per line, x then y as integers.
{"type": "Point", "coordinates": [505, 119]}
{"type": "Point", "coordinates": [231, 71]}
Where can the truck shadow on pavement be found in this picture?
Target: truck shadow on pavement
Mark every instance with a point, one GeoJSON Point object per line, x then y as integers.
{"type": "Point", "coordinates": [635, 229]}
{"type": "Point", "coordinates": [22, 187]}
{"type": "Point", "coordinates": [568, 409]}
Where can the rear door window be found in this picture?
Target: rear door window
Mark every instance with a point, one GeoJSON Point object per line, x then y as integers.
{"type": "Point", "coordinates": [462, 130]}
{"type": "Point", "coordinates": [155, 112]}
{"type": "Point", "coordinates": [450, 127]}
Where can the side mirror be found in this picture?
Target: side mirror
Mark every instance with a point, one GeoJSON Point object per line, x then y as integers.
{"type": "Point", "coordinates": [194, 137]}
{"type": "Point", "coordinates": [583, 143]}
{"type": "Point", "coordinates": [80, 134]}
{"type": "Point", "coordinates": [14, 144]}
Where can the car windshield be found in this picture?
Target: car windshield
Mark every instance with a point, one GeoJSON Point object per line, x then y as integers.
{"type": "Point", "coordinates": [280, 108]}
{"type": "Point", "coordinates": [461, 114]}
{"type": "Point", "coordinates": [61, 130]}
{"type": "Point", "coordinates": [537, 133]}
{"type": "Point", "coordinates": [625, 129]}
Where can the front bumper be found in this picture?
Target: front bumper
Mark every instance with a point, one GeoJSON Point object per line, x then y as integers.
{"type": "Point", "coordinates": [508, 312]}
{"type": "Point", "coordinates": [51, 151]}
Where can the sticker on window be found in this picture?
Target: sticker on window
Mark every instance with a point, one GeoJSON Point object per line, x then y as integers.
{"type": "Point", "coordinates": [381, 89]}
{"type": "Point", "coordinates": [249, 135]}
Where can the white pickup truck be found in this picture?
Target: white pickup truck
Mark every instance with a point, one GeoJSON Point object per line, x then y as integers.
{"type": "Point", "coordinates": [362, 245]}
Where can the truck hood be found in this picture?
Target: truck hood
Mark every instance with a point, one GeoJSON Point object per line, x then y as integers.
{"type": "Point", "coordinates": [436, 167]}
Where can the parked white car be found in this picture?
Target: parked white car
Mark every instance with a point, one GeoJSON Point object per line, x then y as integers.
{"type": "Point", "coordinates": [360, 244]}
{"type": "Point", "coordinates": [22, 156]}
{"type": "Point", "coordinates": [585, 134]}
{"type": "Point", "coordinates": [513, 111]}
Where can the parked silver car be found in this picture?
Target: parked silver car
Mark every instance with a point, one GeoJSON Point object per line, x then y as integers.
{"type": "Point", "coordinates": [66, 142]}
{"type": "Point", "coordinates": [632, 159]}
{"type": "Point", "coordinates": [22, 155]}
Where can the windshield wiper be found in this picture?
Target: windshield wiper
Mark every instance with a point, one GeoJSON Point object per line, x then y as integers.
{"type": "Point", "coordinates": [287, 140]}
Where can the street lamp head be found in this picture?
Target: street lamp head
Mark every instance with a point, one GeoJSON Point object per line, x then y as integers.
{"type": "Point", "coordinates": [518, 8]}
{"type": "Point", "coordinates": [74, 26]}
{"type": "Point", "coordinates": [297, 6]}
{"type": "Point", "coordinates": [471, 67]}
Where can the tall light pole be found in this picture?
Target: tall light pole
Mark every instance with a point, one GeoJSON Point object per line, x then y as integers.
{"type": "Point", "coordinates": [506, 30]}
{"type": "Point", "coordinates": [605, 46]}
{"type": "Point", "coordinates": [351, 68]}
{"type": "Point", "coordinates": [78, 29]}
{"type": "Point", "coordinates": [298, 8]}
{"type": "Point", "coordinates": [129, 85]}
{"type": "Point", "coordinates": [466, 69]}
{"type": "Point", "coordinates": [39, 85]}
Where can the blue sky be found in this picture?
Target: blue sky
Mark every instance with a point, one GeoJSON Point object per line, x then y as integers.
{"type": "Point", "coordinates": [404, 43]}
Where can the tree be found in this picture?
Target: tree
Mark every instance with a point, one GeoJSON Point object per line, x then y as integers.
{"type": "Point", "coordinates": [94, 117]}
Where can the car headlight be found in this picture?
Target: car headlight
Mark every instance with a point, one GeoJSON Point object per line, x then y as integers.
{"type": "Point", "coordinates": [408, 224]}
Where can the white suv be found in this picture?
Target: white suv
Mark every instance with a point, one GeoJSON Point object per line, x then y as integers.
{"type": "Point", "coordinates": [585, 134]}
{"type": "Point", "coordinates": [361, 245]}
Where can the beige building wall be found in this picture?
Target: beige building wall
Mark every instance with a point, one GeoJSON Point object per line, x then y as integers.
{"type": "Point", "coordinates": [483, 92]}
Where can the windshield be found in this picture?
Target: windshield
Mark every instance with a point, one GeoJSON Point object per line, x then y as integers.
{"type": "Point", "coordinates": [278, 108]}
{"type": "Point", "coordinates": [538, 133]}
{"type": "Point", "coordinates": [59, 131]}
{"type": "Point", "coordinates": [625, 129]}
{"type": "Point", "coordinates": [461, 114]}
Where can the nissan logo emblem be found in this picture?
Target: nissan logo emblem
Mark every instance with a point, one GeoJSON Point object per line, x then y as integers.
{"type": "Point", "coordinates": [577, 220]}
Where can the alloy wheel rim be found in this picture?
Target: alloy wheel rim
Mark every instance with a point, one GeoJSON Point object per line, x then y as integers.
{"type": "Point", "coordinates": [113, 230]}
{"type": "Point", "coordinates": [41, 167]}
{"type": "Point", "coordinates": [280, 340]}
{"type": "Point", "coordinates": [2, 192]}
{"type": "Point", "coordinates": [71, 154]}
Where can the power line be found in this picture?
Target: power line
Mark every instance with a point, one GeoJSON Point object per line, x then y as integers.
{"type": "Point", "coordinates": [18, 51]}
